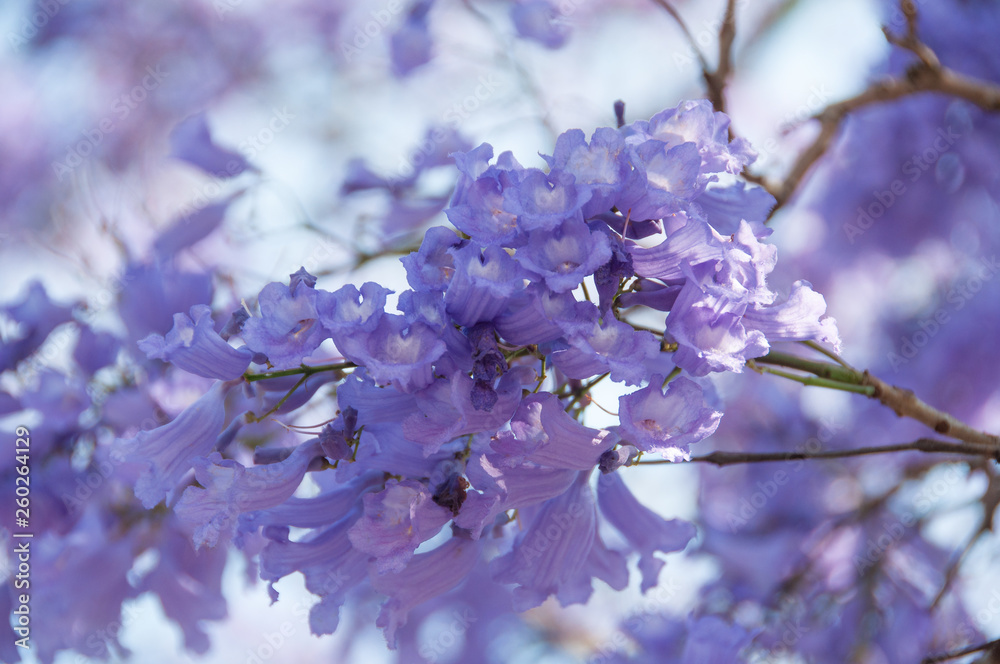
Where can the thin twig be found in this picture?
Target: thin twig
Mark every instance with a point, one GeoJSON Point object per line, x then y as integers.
{"type": "Point", "coordinates": [992, 646]}
{"type": "Point", "coordinates": [716, 81]}
{"type": "Point", "coordinates": [305, 369]}
{"type": "Point", "coordinates": [926, 75]}
{"type": "Point", "coordinates": [927, 445]}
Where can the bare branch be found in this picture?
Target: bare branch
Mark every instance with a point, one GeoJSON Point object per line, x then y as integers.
{"type": "Point", "coordinates": [906, 404]}
{"type": "Point", "coordinates": [901, 400]}
{"type": "Point", "coordinates": [992, 646]}
{"type": "Point", "coordinates": [926, 75]}
{"type": "Point", "coordinates": [715, 80]}
{"type": "Point", "coordinates": [927, 445]}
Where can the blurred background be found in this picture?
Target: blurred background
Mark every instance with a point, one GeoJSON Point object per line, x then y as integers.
{"type": "Point", "coordinates": [94, 170]}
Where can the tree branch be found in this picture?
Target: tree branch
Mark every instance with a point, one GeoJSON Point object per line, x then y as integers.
{"type": "Point", "coordinates": [906, 404]}
{"type": "Point", "coordinates": [927, 445]}
{"type": "Point", "coordinates": [715, 80]}
{"type": "Point", "coordinates": [992, 646]}
{"type": "Point", "coordinates": [901, 400]}
{"type": "Point", "coordinates": [926, 75]}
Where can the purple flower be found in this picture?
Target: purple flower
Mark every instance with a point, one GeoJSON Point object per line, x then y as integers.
{"type": "Point", "coordinates": [329, 563]}
{"type": "Point", "coordinates": [603, 166]}
{"type": "Point", "coordinates": [323, 510]}
{"type": "Point", "coordinates": [38, 316]}
{"type": "Point", "coordinates": [697, 122]}
{"type": "Point", "coordinates": [194, 346]}
{"type": "Point", "coordinates": [800, 317]}
{"type": "Point", "coordinates": [288, 328]}
{"type": "Point", "coordinates": [538, 315]}
{"type": "Point", "coordinates": [712, 641]}
{"type": "Point", "coordinates": [190, 229]}
{"type": "Point", "coordinates": [395, 522]}
{"type": "Point", "coordinates": [518, 484]}
{"type": "Point", "coordinates": [191, 141]}
{"type": "Point", "coordinates": [674, 169]}
{"type": "Point", "coordinates": [151, 293]}
{"type": "Point", "coordinates": [538, 20]}
{"type": "Point", "coordinates": [196, 599]}
{"type": "Point", "coordinates": [477, 207]}
{"type": "Point", "coordinates": [410, 46]}
{"type": "Point", "coordinates": [667, 422]}
{"type": "Point", "coordinates": [394, 351]}
{"type": "Point", "coordinates": [692, 243]}
{"type": "Point", "coordinates": [542, 432]}
{"type": "Point", "coordinates": [483, 281]}
{"type": "Point", "coordinates": [431, 267]}
{"type": "Point", "coordinates": [608, 345]}
{"type": "Point", "coordinates": [725, 207]}
{"type": "Point", "coordinates": [230, 489]}
{"type": "Point", "coordinates": [95, 350]}
{"type": "Point", "coordinates": [645, 530]}
{"type": "Point", "coordinates": [80, 582]}
{"type": "Point", "coordinates": [542, 201]}
{"type": "Point", "coordinates": [447, 410]}
{"type": "Point", "coordinates": [425, 577]}
{"type": "Point", "coordinates": [348, 310]}
{"type": "Point", "coordinates": [706, 321]}
{"type": "Point", "coordinates": [549, 555]}
{"type": "Point", "coordinates": [562, 257]}
{"type": "Point", "coordinates": [168, 451]}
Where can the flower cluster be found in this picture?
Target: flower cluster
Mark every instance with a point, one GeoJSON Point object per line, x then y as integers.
{"type": "Point", "coordinates": [462, 411]}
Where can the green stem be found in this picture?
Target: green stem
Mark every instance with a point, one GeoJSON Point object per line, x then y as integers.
{"type": "Point", "coordinates": [304, 370]}
{"type": "Point", "coordinates": [825, 370]}
{"type": "Point", "coordinates": [298, 384]}
{"type": "Point", "coordinates": [815, 381]}
{"type": "Point", "coordinates": [825, 351]}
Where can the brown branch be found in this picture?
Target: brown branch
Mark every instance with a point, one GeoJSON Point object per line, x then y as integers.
{"type": "Point", "coordinates": [910, 41]}
{"type": "Point", "coordinates": [992, 646]}
{"type": "Point", "coordinates": [901, 400]}
{"type": "Point", "coordinates": [715, 80]}
{"type": "Point", "coordinates": [906, 404]}
{"type": "Point", "coordinates": [928, 445]}
{"type": "Point", "coordinates": [926, 75]}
